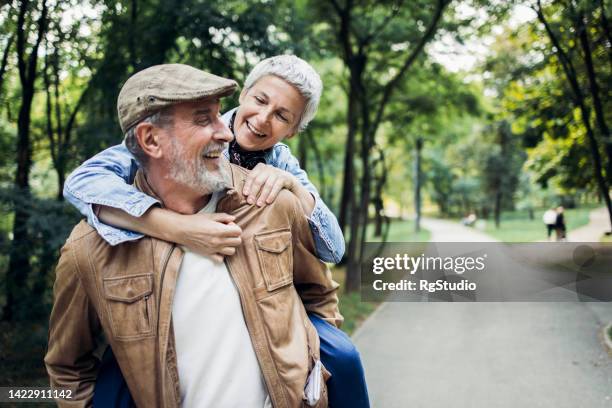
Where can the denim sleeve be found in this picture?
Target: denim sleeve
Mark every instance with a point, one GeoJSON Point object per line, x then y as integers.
{"type": "Point", "coordinates": [106, 179]}
{"type": "Point", "coordinates": [328, 238]}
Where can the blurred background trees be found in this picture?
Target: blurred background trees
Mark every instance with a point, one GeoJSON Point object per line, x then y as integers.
{"type": "Point", "coordinates": [523, 126]}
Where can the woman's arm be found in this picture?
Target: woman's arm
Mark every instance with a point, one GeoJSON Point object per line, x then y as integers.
{"type": "Point", "coordinates": [329, 241]}
{"type": "Point", "coordinates": [214, 235]}
{"type": "Point", "coordinates": [106, 179]}
{"type": "Point", "coordinates": [120, 212]}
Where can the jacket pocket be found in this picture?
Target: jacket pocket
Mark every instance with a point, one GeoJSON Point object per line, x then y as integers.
{"type": "Point", "coordinates": [275, 256]}
{"type": "Point", "coordinates": [130, 305]}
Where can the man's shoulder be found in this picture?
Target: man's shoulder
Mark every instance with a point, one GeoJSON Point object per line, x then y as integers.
{"type": "Point", "coordinates": [239, 176]}
{"type": "Point", "coordinates": [285, 202]}
{"type": "Point", "coordinates": [81, 231]}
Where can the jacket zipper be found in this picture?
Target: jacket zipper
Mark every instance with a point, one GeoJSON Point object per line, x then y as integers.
{"type": "Point", "coordinates": [161, 282]}
{"type": "Point", "coordinates": [256, 343]}
{"type": "Point", "coordinates": [161, 288]}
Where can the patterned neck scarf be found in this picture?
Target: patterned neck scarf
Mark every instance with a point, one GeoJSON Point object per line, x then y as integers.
{"type": "Point", "coordinates": [241, 157]}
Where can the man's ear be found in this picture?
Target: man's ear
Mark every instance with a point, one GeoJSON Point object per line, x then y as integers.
{"type": "Point", "coordinates": [148, 137]}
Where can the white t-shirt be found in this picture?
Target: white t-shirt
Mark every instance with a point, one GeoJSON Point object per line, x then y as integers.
{"type": "Point", "coordinates": [217, 365]}
{"type": "Point", "coordinates": [549, 217]}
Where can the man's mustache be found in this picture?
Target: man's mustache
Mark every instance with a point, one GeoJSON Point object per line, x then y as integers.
{"type": "Point", "coordinates": [214, 148]}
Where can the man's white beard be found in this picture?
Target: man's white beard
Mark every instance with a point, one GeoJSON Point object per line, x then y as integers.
{"type": "Point", "coordinates": [194, 174]}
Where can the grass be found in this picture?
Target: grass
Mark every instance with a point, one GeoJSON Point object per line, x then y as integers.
{"type": "Point", "coordinates": [351, 307]}
{"type": "Point", "coordinates": [517, 227]}
{"type": "Point", "coordinates": [400, 231]}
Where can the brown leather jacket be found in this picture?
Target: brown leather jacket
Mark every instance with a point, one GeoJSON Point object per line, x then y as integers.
{"type": "Point", "coordinates": [122, 296]}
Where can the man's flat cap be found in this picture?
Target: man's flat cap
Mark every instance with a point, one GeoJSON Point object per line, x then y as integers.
{"type": "Point", "coordinates": [159, 86]}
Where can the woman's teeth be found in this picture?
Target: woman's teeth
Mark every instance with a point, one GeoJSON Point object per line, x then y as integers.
{"type": "Point", "coordinates": [212, 155]}
{"type": "Point", "coordinates": [252, 129]}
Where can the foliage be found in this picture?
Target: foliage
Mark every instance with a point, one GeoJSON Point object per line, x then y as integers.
{"type": "Point", "coordinates": [49, 224]}
{"type": "Point", "coordinates": [508, 134]}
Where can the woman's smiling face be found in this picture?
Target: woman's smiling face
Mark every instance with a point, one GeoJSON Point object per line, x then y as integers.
{"type": "Point", "coordinates": [269, 112]}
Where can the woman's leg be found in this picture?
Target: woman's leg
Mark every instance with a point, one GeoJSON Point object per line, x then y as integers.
{"type": "Point", "coordinates": [111, 390]}
{"type": "Point", "coordinates": [347, 386]}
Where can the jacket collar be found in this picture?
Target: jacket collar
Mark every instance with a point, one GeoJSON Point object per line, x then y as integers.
{"type": "Point", "coordinates": [232, 199]}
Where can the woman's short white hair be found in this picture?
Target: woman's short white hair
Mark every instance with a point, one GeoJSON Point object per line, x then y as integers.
{"type": "Point", "coordinates": [298, 73]}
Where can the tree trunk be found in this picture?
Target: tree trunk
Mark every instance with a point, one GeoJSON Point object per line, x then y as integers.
{"type": "Point", "coordinates": [498, 201]}
{"type": "Point", "coordinates": [358, 220]}
{"type": "Point", "coordinates": [4, 62]}
{"type": "Point", "coordinates": [379, 184]}
{"type": "Point", "coordinates": [594, 90]}
{"type": "Point", "coordinates": [321, 170]}
{"type": "Point", "coordinates": [19, 258]}
{"type": "Point", "coordinates": [348, 191]}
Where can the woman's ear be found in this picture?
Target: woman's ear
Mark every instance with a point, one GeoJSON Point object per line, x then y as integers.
{"type": "Point", "coordinates": [148, 137]}
{"type": "Point", "coordinates": [295, 132]}
{"type": "Point", "coordinates": [242, 96]}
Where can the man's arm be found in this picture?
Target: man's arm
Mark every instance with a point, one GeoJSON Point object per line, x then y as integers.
{"type": "Point", "coordinates": [73, 329]}
{"type": "Point", "coordinates": [311, 277]}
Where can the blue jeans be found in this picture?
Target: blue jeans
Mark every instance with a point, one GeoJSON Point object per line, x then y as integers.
{"type": "Point", "coordinates": [346, 388]}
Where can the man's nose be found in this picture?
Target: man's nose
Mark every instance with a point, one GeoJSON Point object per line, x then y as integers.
{"type": "Point", "coordinates": [222, 132]}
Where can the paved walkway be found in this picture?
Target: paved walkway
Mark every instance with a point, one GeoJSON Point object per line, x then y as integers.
{"type": "Point", "coordinates": [599, 223]}
{"type": "Point", "coordinates": [485, 355]}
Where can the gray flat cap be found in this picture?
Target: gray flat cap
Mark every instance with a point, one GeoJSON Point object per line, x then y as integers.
{"type": "Point", "coordinates": [159, 86]}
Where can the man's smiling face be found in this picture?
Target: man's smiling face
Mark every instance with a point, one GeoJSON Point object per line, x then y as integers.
{"type": "Point", "coordinates": [194, 144]}
{"type": "Point", "coordinates": [269, 112]}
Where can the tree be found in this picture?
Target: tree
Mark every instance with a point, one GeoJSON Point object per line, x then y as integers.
{"type": "Point", "coordinates": [363, 32]}
{"type": "Point", "coordinates": [569, 58]}
{"type": "Point", "coordinates": [502, 165]}
{"type": "Point", "coordinates": [66, 50]}
{"type": "Point", "coordinates": [19, 263]}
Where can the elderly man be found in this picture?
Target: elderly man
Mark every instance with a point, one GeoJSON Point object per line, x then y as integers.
{"type": "Point", "coordinates": [187, 331]}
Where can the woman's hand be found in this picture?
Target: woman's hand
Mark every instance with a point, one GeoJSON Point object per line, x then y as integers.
{"type": "Point", "coordinates": [213, 235]}
{"type": "Point", "coordinates": [264, 183]}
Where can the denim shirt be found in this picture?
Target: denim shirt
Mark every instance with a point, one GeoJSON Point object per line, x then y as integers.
{"type": "Point", "coordinates": [106, 179]}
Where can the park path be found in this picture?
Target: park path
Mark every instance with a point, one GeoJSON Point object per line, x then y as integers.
{"type": "Point", "coordinates": [489, 355]}
{"type": "Point", "coordinates": [598, 224]}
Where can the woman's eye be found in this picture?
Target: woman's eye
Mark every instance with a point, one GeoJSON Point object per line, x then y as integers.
{"type": "Point", "coordinates": [281, 117]}
{"type": "Point", "coordinates": [259, 100]}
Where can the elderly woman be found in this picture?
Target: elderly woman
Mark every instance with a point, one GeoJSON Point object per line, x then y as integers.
{"type": "Point", "coordinates": [279, 99]}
